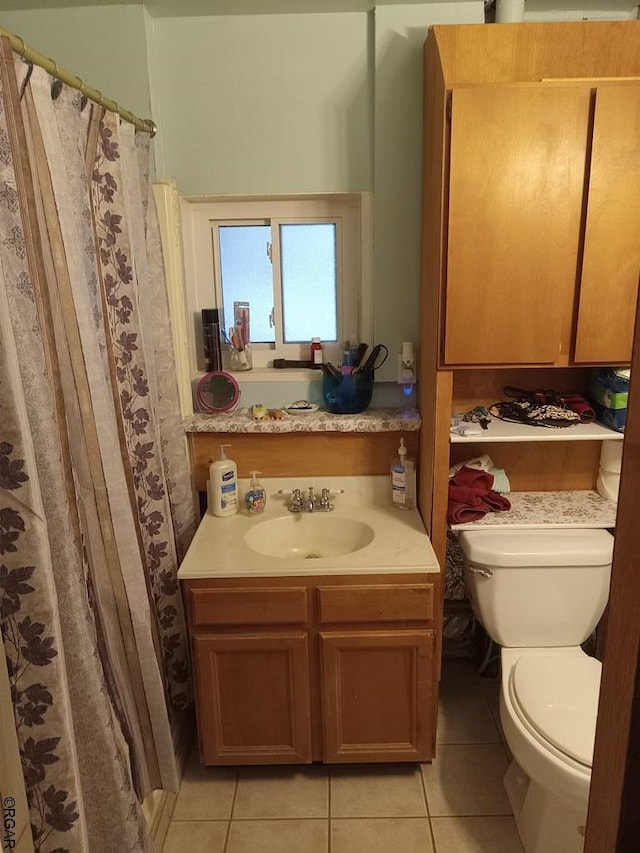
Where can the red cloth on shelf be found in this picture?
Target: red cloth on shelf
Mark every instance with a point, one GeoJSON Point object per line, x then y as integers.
{"type": "Point", "coordinates": [471, 496]}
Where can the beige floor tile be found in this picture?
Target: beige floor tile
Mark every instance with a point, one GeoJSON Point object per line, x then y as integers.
{"type": "Point", "coordinates": [377, 791]}
{"type": "Point", "coordinates": [206, 793]}
{"type": "Point", "coordinates": [476, 835]}
{"type": "Point", "coordinates": [381, 835]}
{"type": "Point", "coordinates": [278, 836]}
{"type": "Point", "coordinates": [282, 792]}
{"type": "Point", "coordinates": [465, 716]}
{"type": "Point", "coordinates": [197, 836]}
{"type": "Point", "coordinates": [464, 674]}
{"type": "Point", "coordinates": [467, 780]}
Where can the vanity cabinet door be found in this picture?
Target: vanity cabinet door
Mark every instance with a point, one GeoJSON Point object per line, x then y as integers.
{"type": "Point", "coordinates": [376, 695]}
{"type": "Point", "coordinates": [253, 698]}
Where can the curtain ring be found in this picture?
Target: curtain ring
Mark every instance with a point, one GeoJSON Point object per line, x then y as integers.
{"type": "Point", "coordinates": [83, 97]}
{"type": "Point", "coordinates": [23, 46]}
{"type": "Point", "coordinates": [27, 77]}
{"type": "Point", "coordinates": [56, 88]}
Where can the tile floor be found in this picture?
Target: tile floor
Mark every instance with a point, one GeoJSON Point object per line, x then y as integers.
{"type": "Point", "coordinates": [455, 805]}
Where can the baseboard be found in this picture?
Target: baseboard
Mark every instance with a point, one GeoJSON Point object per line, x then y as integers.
{"type": "Point", "coordinates": [159, 805]}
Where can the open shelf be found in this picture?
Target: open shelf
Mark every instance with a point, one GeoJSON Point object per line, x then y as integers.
{"type": "Point", "coordinates": [534, 510]}
{"type": "Point", "coordinates": [504, 431]}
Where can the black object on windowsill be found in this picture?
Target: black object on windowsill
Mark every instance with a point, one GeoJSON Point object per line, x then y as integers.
{"type": "Point", "coordinates": [211, 339]}
{"type": "Point", "coordinates": [284, 363]}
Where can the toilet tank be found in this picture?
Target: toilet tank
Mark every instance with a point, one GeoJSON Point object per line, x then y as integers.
{"type": "Point", "coordinates": [537, 588]}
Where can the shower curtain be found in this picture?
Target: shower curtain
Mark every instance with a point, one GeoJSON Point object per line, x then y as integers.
{"type": "Point", "coordinates": [96, 503]}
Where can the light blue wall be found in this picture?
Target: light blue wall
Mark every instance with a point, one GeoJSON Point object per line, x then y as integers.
{"type": "Point", "coordinates": [104, 45]}
{"type": "Point", "coordinates": [400, 32]}
{"type": "Point", "coordinates": [307, 103]}
{"type": "Point", "coordinates": [260, 104]}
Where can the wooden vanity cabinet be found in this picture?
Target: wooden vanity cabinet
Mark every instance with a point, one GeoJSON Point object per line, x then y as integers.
{"type": "Point", "coordinates": [295, 670]}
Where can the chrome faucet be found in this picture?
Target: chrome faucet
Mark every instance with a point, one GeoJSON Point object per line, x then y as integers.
{"type": "Point", "coordinates": [310, 502]}
{"type": "Point", "coordinates": [295, 504]}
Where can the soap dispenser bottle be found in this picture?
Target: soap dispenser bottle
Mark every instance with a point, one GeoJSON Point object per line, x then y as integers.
{"type": "Point", "coordinates": [403, 480]}
{"type": "Point", "coordinates": [255, 498]}
{"type": "Point", "coordinates": [223, 489]}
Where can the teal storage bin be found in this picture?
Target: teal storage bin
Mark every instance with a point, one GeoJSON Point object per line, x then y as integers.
{"type": "Point", "coordinates": [609, 391]}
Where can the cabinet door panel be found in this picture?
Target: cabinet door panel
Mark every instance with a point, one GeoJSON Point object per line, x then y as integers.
{"type": "Point", "coordinates": [611, 261]}
{"type": "Point", "coordinates": [253, 698]}
{"type": "Point", "coordinates": [376, 695]}
{"type": "Point", "coordinates": [517, 171]}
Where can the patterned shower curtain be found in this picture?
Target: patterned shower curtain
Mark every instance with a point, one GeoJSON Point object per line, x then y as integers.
{"type": "Point", "coordinates": [96, 504]}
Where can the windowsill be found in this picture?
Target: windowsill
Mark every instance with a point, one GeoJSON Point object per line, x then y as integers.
{"type": "Point", "coordinates": [273, 374]}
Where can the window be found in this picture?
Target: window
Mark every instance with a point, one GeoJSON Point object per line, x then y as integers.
{"type": "Point", "coordinates": [297, 261]}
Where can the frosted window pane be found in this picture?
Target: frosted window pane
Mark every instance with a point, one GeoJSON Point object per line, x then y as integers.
{"type": "Point", "coordinates": [309, 276]}
{"type": "Point", "coordinates": [247, 276]}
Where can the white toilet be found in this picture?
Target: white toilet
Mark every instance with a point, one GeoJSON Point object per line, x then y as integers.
{"type": "Point", "coordinates": [540, 594]}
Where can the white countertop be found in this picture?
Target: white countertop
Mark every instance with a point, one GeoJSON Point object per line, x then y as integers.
{"type": "Point", "coordinates": [400, 544]}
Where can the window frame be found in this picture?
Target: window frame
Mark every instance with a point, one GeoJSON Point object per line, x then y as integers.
{"type": "Point", "coordinates": [351, 212]}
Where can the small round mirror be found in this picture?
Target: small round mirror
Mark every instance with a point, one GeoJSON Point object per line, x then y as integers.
{"type": "Point", "coordinates": [217, 391]}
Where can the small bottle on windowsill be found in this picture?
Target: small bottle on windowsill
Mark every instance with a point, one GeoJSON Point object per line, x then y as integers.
{"type": "Point", "coordinates": [316, 353]}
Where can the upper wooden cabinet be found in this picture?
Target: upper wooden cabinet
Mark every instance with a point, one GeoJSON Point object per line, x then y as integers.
{"type": "Point", "coordinates": [532, 194]}
{"type": "Point", "coordinates": [515, 207]}
{"type": "Point", "coordinates": [611, 257]}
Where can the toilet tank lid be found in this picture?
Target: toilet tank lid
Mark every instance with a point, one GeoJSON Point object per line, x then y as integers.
{"type": "Point", "coordinates": [557, 547]}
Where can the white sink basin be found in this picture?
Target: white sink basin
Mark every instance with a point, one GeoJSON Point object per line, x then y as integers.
{"type": "Point", "coordinates": [308, 536]}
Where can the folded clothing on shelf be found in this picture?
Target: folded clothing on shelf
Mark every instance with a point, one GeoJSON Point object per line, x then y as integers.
{"type": "Point", "coordinates": [485, 463]}
{"type": "Point", "coordinates": [471, 496]}
{"type": "Point", "coordinates": [543, 407]}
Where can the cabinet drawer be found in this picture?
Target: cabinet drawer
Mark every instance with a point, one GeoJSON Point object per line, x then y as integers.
{"type": "Point", "coordinates": [255, 606]}
{"type": "Point", "coordinates": [383, 603]}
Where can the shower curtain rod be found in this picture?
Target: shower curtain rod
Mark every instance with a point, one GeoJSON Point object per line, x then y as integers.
{"type": "Point", "coordinates": [18, 45]}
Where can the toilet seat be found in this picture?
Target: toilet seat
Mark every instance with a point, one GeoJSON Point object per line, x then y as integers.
{"type": "Point", "coordinates": [556, 698]}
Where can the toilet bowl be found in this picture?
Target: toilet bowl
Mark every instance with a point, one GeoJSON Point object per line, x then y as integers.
{"type": "Point", "coordinates": [540, 594]}
{"type": "Point", "coordinates": [548, 709]}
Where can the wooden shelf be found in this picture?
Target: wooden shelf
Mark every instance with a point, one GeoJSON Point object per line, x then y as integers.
{"type": "Point", "coordinates": [504, 431]}
{"type": "Point", "coordinates": [535, 510]}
